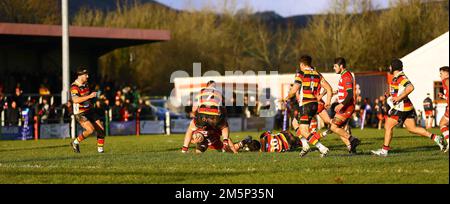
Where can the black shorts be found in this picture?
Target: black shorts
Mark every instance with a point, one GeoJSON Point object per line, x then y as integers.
{"type": "Point", "coordinates": [307, 112]}
{"type": "Point", "coordinates": [401, 116]}
{"type": "Point", "coordinates": [87, 116]}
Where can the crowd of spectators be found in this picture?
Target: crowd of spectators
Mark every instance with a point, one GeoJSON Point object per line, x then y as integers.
{"type": "Point", "coordinates": [127, 105]}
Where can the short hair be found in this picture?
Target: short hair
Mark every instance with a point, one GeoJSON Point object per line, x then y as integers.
{"type": "Point", "coordinates": [81, 71]}
{"type": "Point", "coordinates": [210, 82]}
{"type": "Point", "coordinates": [254, 146]}
{"type": "Point", "coordinates": [397, 65]}
{"type": "Point", "coordinates": [340, 61]}
{"type": "Point", "coordinates": [306, 60]}
{"type": "Point", "coordinates": [444, 69]}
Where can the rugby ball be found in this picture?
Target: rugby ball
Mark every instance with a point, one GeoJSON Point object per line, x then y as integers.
{"type": "Point", "coordinates": [197, 137]}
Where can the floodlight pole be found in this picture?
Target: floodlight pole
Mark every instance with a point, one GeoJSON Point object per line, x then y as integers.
{"type": "Point", "coordinates": [65, 51]}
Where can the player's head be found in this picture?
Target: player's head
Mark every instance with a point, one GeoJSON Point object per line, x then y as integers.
{"type": "Point", "coordinates": [443, 71]}
{"type": "Point", "coordinates": [396, 65]}
{"type": "Point", "coordinates": [82, 75]}
{"type": "Point", "coordinates": [339, 65]}
{"type": "Point", "coordinates": [305, 61]}
{"type": "Point", "coordinates": [253, 146]}
{"type": "Point", "coordinates": [211, 84]}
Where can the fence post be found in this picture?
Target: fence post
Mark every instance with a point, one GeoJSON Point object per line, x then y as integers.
{"type": "Point", "coordinates": [36, 128]}
{"type": "Point", "coordinates": [3, 118]}
{"type": "Point", "coordinates": [73, 127]}
{"type": "Point", "coordinates": [167, 123]}
{"type": "Point", "coordinates": [108, 116]}
{"type": "Point", "coordinates": [138, 125]}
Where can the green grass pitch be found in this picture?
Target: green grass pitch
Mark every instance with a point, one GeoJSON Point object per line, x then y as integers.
{"type": "Point", "coordinates": [158, 160]}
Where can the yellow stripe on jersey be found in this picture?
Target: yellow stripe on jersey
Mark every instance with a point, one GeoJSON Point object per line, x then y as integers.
{"type": "Point", "coordinates": [404, 81]}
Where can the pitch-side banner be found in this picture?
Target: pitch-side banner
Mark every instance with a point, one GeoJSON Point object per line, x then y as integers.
{"type": "Point", "coordinates": [235, 124]}
{"type": "Point", "coordinates": [122, 128]}
{"type": "Point", "coordinates": [179, 125]}
{"type": "Point", "coordinates": [16, 133]}
{"type": "Point", "coordinates": [48, 131]}
{"type": "Point", "coordinates": [152, 127]}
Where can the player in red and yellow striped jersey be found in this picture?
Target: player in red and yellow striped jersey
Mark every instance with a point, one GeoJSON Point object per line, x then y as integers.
{"type": "Point", "coordinates": [84, 114]}
{"type": "Point", "coordinates": [443, 124]}
{"type": "Point", "coordinates": [402, 110]}
{"type": "Point", "coordinates": [210, 121]}
{"type": "Point", "coordinates": [307, 84]}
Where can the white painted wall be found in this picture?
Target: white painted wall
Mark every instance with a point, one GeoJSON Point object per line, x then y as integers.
{"type": "Point", "coordinates": [422, 69]}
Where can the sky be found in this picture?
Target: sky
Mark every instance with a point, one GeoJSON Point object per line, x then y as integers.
{"type": "Point", "coordinates": [285, 8]}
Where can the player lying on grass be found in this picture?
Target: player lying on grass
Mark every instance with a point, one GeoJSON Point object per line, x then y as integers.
{"type": "Point", "coordinates": [209, 123]}
{"type": "Point", "coordinates": [269, 142]}
{"type": "Point", "coordinates": [402, 110]}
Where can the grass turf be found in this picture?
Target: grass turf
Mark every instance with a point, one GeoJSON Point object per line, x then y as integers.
{"type": "Point", "coordinates": [158, 159]}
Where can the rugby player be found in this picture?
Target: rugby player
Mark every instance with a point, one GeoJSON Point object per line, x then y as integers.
{"type": "Point", "coordinates": [307, 83]}
{"type": "Point", "coordinates": [402, 110]}
{"type": "Point", "coordinates": [346, 107]}
{"type": "Point", "coordinates": [84, 113]}
{"type": "Point", "coordinates": [209, 123]}
{"type": "Point", "coordinates": [428, 108]}
{"type": "Point", "coordinates": [443, 124]}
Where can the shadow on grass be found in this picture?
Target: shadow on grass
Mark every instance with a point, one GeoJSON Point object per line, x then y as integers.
{"type": "Point", "coordinates": [33, 148]}
{"type": "Point", "coordinates": [52, 159]}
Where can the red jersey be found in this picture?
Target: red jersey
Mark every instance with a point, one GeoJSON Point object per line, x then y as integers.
{"type": "Point", "coordinates": [398, 86]}
{"type": "Point", "coordinates": [346, 83]}
{"type": "Point", "coordinates": [445, 89]}
{"type": "Point", "coordinates": [80, 90]}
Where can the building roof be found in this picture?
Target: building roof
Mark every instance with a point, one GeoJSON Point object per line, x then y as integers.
{"type": "Point", "coordinates": [98, 39]}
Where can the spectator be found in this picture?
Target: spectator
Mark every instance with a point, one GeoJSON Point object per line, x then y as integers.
{"type": "Point", "coordinates": [67, 112]}
{"type": "Point", "coordinates": [43, 88]}
{"type": "Point", "coordinates": [18, 97]}
{"type": "Point", "coordinates": [44, 111]}
{"type": "Point", "coordinates": [12, 115]}
{"type": "Point", "coordinates": [2, 102]}
{"type": "Point", "coordinates": [116, 111]}
{"type": "Point", "coordinates": [128, 111]}
{"type": "Point", "coordinates": [100, 110]}
{"type": "Point", "coordinates": [146, 112]}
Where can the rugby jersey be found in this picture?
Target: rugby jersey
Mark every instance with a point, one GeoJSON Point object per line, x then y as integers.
{"type": "Point", "coordinates": [80, 90]}
{"type": "Point", "coordinates": [397, 87]}
{"type": "Point", "coordinates": [309, 81]}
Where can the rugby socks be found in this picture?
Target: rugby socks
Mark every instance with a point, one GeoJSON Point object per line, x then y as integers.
{"type": "Point", "coordinates": [79, 139]}
{"type": "Point", "coordinates": [385, 149]}
{"type": "Point", "coordinates": [100, 142]}
{"type": "Point", "coordinates": [314, 138]}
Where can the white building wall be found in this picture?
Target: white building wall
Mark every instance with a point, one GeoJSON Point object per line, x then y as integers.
{"type": "Point", "coordinates": [422, 69]}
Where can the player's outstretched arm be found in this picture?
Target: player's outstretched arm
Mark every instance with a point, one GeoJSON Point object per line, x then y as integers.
{"type": "Point", "coordinates": [329, 92]}
{"type": "Point", "coordinates": [227, 140]}
{"type": "Point", "coordinates": [188, 137]}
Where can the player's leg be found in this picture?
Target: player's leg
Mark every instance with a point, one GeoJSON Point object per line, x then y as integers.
{"type": "Point", "coordinates": [100, 135]}
{"type": "Point", "coordinates": [389, 125]}
{"type": "Point", "coordinates": [410, 124]}
{"type": "Point", "coordinates": [88, 130]}
{"type": "Point", "coordinates": [443, 125]}
{"type": "Point", "coordinates": [188, 136]}
{"type": "Point", "coordinates": [327, 121]}
{"type": "Point", "coordinates": [307, 113]}
{"type": "Point", "coordinates": [296, 126]}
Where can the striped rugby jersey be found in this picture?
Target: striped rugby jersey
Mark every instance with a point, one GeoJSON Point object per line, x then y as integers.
{"type": "Point", "coordinates": [209, 101]}
{"type": "Point", "coordinates": [309, 81]}
{"type": "Point", "coordinates": [79, 90]}
{"type": "Point", "coordinates": [397, 87]}
{"type": "Point", "coordinates": [346, 82]}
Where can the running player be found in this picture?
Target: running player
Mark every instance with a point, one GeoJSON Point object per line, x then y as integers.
{"type": "Point", "coordinates": [346, 107]}
{"type": "Point", "coordinates": [402, 110]}
{"type": "Point", "coordinates": [443, 124]}
{"type": "Point", "coordinates": [428, 108]}
{"type": "Point", "coordinates": [84, 113]}
{"type": "Point", "coordinates": [209, 123]}
{"type": "Point", "coordinates": [307, 81]}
